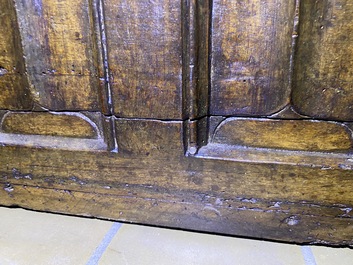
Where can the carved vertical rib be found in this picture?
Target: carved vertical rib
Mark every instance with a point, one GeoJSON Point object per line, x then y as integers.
{"type": "Point", "coordinates": [188, 36]}
{"type": "Point", "coordinates": [294, 41]}
{"type": "Point", "coordinates": [195, 70]}
{"type": "Point", "coordinates": [203, 22]}
{"type": "Point", "coordinates": [195, 57]}
{"type": "Point", "coordinates": [107, 97]}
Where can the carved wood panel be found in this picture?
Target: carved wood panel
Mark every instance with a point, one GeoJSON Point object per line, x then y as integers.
{"type": "Point", "coordinates": [251, 56]}
{"type": "Point", "coordinates": [287, 65]}
{"type": "Point", "coordinates": [224, 116]}
{"type": "Point", "coordinates": [13, 82]}
{"type": "Point", "coordinates": [323, 78]}
{"type": "Point", "coordinates": [145, 57]}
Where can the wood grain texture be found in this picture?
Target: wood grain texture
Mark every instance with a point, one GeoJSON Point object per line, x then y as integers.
{"type": "Point", "coordinates": [14, 87]}
{"type": "Point", "coordinates": [250, 57]}
{"type": "Point", "coordinates": [145, 57]}
{"type": "Point", "coordinates": [284, 134]}
{"type": "Point", "coordinates": [196, 44]}
{"type": "Point", "coordinates": [58, 130]}
{"type": "Point", "coordinates": [197, 215]}
{"type": "Point", "coordinates": [196, 30]}
{"type": "Point", "coordinates": [61, 54]}
{"type": "Point", "coordinates": [149, 137]}
{"type": "Point", "coordinates": [236, 153]}
{"type": "Point", "coordinates": [60, 124]}
{"type": "Point", "coordinates": [324, 60]}
{"type": "Point", "coordinates": [262, 201]}
{"type": "Point", "coordinates": [131, 165]}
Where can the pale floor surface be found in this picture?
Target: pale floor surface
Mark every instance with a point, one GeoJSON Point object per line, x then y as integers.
{"type": "Point", "coordinates": [28, 237]}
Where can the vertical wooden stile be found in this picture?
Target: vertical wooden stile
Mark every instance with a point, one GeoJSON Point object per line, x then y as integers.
{"type": "Point", "coordinates": [196, 72]}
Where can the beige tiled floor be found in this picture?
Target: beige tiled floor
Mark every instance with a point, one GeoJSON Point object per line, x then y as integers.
{"type": "Point", "coordinates": [28, 237]}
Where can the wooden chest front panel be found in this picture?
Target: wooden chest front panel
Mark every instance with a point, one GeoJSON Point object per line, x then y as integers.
{"type": "Point", "coordinates": [222, 116]}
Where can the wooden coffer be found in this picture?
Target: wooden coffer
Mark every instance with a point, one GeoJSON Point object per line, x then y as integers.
{"type": "Point", "coordinates": [225, 116]}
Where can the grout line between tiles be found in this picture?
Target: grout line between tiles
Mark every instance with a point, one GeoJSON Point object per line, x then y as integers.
{"type": "Point", "coordinates": [308, 255]}
{"type": "Point", "coordinates": [98, 253]}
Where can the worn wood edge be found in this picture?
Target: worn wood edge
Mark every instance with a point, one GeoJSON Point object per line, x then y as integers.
{"type": "Point", "coordinates": [268, 133]}
{"type": "Point", "coordinates": [53, 142]}
{"type": "Point", "coordinates": [288, 113]}
{"type": "Point", "coordinates": [238, 153]}
{"type": "Point", "coordinates": [164, 175]}
{"type": "Point", "coordinates": [61, 124]}
{"type": "Point", "coordinates": [195, 135]}
{"type": "Point", "coordinates": [240, 220]}
{"type": "Point", "coordinates": [170, 204]}
{"type": "Point", "coordinates": [101, 140]}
